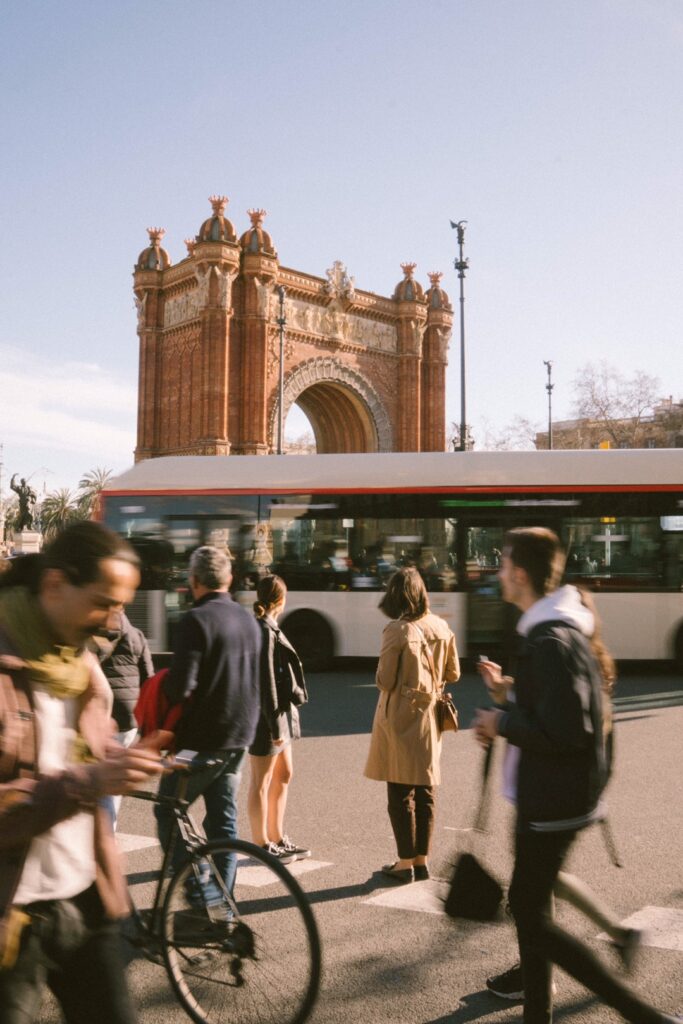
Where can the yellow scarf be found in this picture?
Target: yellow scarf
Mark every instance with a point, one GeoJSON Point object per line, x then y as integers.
{"type": "Point", "coordinates": [59, 669]}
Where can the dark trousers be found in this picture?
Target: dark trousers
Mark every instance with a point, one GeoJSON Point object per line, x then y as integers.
{"type": "Point", "coordinates": [215, 776]}
{"type": "Point", "coordinates": [73, 949]}
{"type": "Point", "coordinates": [538, 860]}
{"type": "Point", "coordinates": [411, 812]}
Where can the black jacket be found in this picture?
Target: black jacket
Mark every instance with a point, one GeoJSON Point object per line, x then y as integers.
{"type": "Point", "coordinates": [557, 724]}
{"type": "Point", "coordinates": [127, 668]}
{"type": "Point", "coordinates": [216, 666]}
{"type": "Point", "coordinates": [283, 688]}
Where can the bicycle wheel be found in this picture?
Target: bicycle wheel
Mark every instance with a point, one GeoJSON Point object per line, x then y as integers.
{"type": "Point", "coordinates": [252, 957]}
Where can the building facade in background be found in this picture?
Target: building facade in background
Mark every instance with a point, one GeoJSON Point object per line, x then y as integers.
{"type": "Point", "coordinates": [368, 371]}
{"type": "Point", "coordinates": [662, 429]}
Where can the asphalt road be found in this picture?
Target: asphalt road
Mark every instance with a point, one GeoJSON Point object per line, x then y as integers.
{"type": "Point", "coordinates": [384, 962]}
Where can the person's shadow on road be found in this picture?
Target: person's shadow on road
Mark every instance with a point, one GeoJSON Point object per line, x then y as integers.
{"type": "Point", "coordinates": [478, 1005]}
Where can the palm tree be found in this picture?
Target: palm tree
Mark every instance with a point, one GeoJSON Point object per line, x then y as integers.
{"type": "Point", "coordinates": [57, 510]}
{"type": "Point", "coordinates": [90, 486]}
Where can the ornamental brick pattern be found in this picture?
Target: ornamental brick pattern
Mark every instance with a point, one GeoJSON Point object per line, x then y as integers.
{"type": "Point", "coordinates": [368, 371]}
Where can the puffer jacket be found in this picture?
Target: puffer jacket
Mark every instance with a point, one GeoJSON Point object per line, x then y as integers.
{"type": "Point", "coordinates": [127, 668]}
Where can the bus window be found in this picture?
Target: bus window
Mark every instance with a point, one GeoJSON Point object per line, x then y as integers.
{"type": "Point", "coordinates": [613, 553]}
{"type": "Point", "coordinates": [316, 548]}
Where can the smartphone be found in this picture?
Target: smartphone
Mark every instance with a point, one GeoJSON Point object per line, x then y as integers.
{"type": "Point", "coordinates": [185, 757]}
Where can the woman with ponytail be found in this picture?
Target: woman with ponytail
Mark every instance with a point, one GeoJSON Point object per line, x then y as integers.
{"type": "Point", "coordinates": [283, 690]}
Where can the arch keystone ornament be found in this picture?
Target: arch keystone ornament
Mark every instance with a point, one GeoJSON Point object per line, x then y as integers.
{"type": "Point", "coordinates": [367, 370]}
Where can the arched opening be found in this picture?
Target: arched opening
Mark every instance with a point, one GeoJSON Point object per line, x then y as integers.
{"type": "Point", "coordinates": [299, 433]}
{"type": "Point", "coordinates": [339, 418]}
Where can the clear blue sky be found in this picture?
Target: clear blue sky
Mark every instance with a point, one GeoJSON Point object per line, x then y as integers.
{"type": "Point", "coordinates": [554, 129]}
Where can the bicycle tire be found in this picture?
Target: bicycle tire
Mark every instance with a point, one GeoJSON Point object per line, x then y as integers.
{"type": "Point", "coordinates": [256, 960]}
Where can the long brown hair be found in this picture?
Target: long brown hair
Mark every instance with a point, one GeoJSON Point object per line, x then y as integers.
{"type": "Point", "coordinates": [606, 663]}
{"type": "Point", "coordinates": [406, 595]}
{"type": "Point", "coordinates": [270, 591]}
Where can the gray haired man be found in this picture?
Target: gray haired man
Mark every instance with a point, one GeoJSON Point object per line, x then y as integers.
{"type": "Point", "coordinates": [215, 672]}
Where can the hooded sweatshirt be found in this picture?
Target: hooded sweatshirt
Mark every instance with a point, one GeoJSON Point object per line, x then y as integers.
{"type": "Point", "coordinates": [555, 721]}
{"type": "Point", "coordinates": [563, 605]}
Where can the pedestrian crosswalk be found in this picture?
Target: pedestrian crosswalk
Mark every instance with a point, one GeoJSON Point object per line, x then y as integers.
{"type": "Point", "coordinates": [662, 927]}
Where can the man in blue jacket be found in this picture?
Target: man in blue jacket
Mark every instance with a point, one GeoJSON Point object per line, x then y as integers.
{"type": "Point", "coordinates": [215, 671]}
{"type": "Point", "coordinates": [556, 722]}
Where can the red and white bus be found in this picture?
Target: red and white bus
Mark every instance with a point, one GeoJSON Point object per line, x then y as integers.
{"type": "Point", "coordinates": [335, 526]}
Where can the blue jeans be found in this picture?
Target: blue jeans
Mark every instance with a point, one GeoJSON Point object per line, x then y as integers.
{"type": "Point", "coordinates": [216, 776]}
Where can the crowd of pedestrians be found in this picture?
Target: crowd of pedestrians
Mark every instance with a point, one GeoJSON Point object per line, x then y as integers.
{"type": "Point", "coordinates": [238, 685]}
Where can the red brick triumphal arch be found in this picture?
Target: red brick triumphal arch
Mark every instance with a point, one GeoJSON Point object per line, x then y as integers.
{"type": "Point", "coordinates": [368, 371]}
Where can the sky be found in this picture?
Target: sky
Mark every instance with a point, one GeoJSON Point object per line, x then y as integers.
{"type": "Point", "coordinates": [364, 127]}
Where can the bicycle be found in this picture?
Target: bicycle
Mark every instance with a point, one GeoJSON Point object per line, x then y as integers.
{"type": "Point", "coordinates": [246, 954]}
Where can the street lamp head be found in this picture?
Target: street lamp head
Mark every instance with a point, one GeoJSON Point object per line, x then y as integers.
{"type": "Point", "coordinates": [281, 292]}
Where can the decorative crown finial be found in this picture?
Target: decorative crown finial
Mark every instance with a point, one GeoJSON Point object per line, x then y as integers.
{"type": "Point", "coordinates": [190, 243]}
{"type": "Point", "coordinates": [218, 204]}
{"type": "Point", "coordinates": [408, 269]}
{"type": "Point", "coordinates": [155, 235]}
{"type": "Point", "coordinates": [257, 217]}
{"type": "Point", "coordinates": [435, 277]}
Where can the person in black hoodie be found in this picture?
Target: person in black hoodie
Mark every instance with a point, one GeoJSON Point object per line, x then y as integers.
{"type": "Point", "coordinates": [557, 723]}
{"type": "Point", "coordinates": [283, 691]}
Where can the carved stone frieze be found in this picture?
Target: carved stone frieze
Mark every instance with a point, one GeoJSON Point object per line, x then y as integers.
{"type": "Point", "coordinates": [329, 322]}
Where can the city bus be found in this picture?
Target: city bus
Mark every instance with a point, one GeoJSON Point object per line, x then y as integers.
{"type": "Point", "coordinates": [336, 526]}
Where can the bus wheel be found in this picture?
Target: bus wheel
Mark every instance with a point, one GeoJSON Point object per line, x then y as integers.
{"type": "Point", "coordinates": [311, 637]}
{"type": "Point", "coordinates": [678, 649]}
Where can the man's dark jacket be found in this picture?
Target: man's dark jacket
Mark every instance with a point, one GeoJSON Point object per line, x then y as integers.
{"type": "Point", "coordinates": [556, 721]}
{"type": "Point", "coordinates": [127, 668]}
{"type": "Point", "coordinates": [216, 666]}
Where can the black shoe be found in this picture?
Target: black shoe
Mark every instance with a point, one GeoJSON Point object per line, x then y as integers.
{"type": "Point", "coordinates": [629, 946]}
{"type": "Point", "coordinates": [300, 852]}
{"type": "Point", "coordinates": [421, 872]}
{"type": "Point", "coordinates": [275, 850]}
{"type": "Point", "coordinates": [403, 875]}
{"type": "Point", "coordinates": [508, 985]}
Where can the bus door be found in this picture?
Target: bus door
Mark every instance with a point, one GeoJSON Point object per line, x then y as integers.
{"type": "Point", "coordinates": [481, 544]}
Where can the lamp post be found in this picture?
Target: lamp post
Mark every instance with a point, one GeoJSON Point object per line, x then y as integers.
{"type": "Point", "coordinates": [548, 363]}
{"type": "Point", "coordinates": [281, 321]}
{"type": "Point", "coordinates": [461, 265]}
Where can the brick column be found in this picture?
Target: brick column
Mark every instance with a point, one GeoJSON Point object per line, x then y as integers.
{"type": "Point", "coordinates": [435, 359]}
{"type": "Point", "coordinates": [411, 316]}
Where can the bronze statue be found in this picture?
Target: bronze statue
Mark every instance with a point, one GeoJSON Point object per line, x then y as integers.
{"type": "Point", "coordinates": [27, 503]}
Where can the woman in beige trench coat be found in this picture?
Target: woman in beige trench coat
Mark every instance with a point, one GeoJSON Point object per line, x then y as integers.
{"type": "Point", "coordinates": [405, 747]}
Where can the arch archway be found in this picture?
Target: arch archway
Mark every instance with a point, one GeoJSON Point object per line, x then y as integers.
{"type": "Point", "coordinates": [344, 411]}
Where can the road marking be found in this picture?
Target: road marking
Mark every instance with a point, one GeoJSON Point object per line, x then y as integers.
{"type": "Point", "coordinates": [662, 927]}
{"type": "Point", "coordinates": [422, 897]}
{"type": "Point", "coordinates": [127, 843]}
{"type": "Point", "coordinates": [258, 876]}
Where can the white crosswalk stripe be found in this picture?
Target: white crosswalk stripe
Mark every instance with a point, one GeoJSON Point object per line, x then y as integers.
{"type": "Point", "coordinates": [128, 843]}
{"type": "Point", "coordinates": [662, 927]}
{"type": "Point", "coordinates": [422, 897]}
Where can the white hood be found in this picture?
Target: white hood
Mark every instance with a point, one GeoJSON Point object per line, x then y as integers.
{"type": "Point", "coordinates": [563, 605]}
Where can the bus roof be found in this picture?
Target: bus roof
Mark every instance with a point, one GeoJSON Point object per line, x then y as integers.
{"type": "Point", "coordinates": [644, 469]}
